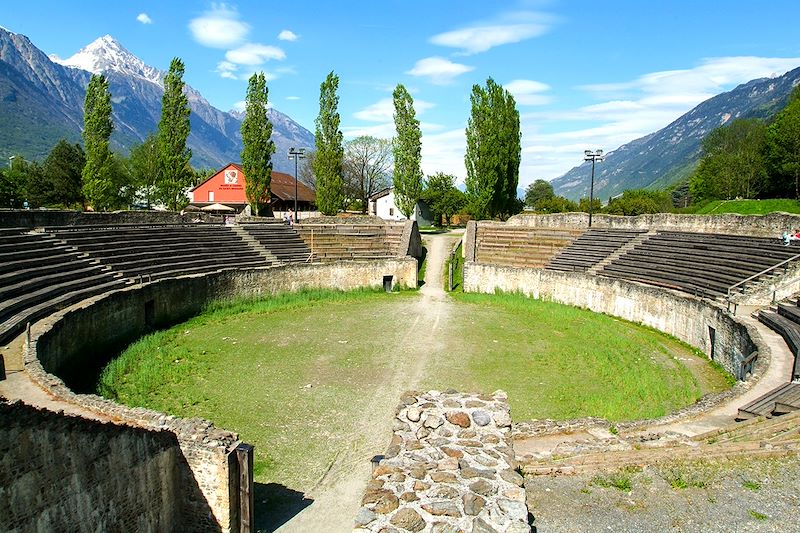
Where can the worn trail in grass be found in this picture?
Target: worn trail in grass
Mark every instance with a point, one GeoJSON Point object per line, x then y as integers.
{"type": "Point", "coordinates": [313, 381]}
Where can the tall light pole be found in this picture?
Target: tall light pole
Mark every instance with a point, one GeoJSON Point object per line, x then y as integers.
{"type": "Point", "coordinates": [296, 154]}
{"type": "Point", "coordinates": [595, 156]}
{"type": "Point", "coordinates": [11, 161]}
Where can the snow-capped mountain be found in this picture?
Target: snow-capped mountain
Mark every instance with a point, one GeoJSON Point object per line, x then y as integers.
{"type": "Point", "coordinates": [669, 155]}
{"type": "Point", "coordinates": [105, 54]}
{"type": "Point", "coordinates": [41, 101]}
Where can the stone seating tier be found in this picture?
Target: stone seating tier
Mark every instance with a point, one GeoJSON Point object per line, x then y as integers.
{"type": "Point", "coordinates": [590, 248]}
{"type": "Point", "coordinates": [280, 240]}
{"type": "Point", "coordinates": [17, 313]}
{"type": "Point", "coordinates": [697, 263]}
{"type": "Point", "coordinates": [521, 247]}
{"type": "Point", "coordinates": [331, 242]}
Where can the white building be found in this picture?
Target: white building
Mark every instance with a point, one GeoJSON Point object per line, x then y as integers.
{"type": "Point", "coordinates": [381, 204]}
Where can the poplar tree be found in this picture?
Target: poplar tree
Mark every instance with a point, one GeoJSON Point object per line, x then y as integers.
{"type": "Point", "coordinates": [493, 151]}
{"type": "Point", "coordinates": [97, 127]}
{"type": "Point", "coordinates": [258, 147]}
{"type": "Point", "coordinates": [327, 163]}
{"type": "Point", "coordinates": [407, 153]}
{"type": "Point", "coordinates": [174, 173]}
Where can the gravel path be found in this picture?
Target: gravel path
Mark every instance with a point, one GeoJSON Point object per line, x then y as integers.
{"type": "Point", "coordinates": [337, 497]}
{"type": "Point", "coordinates": [740, 495]}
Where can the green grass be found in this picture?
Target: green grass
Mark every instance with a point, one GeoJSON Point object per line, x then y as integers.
{"type": "Point", "coordinates": [458, 273]}
{"type": "Point", "coordinates": [750, 207]}
{"type": "Point", "coordinates": [248, 366]}
{"type": "Point", "coordinates": [620, 480]}
{"type": "Point", "coordinates": [563, 362]}
{"type": "Point", "coordinates": [757, 515]}
{"type": "Point", "coordinates": [295, 374]}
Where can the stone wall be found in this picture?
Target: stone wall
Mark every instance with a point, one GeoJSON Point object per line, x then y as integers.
{"type": "Point", "coordinates": [450, 467]}
{"type": "Point", "coordinates": [64, 473]}
{"type": "Point", "coordinates": [36, 218]}
{"type": "Point", "coordinates": [411, 241]}
{"type": "Point", "coordinates": [771, 225]}
{"type": "Point", "coordinates": [685, 317]}
{"type": "Point", "coordinates": [68, 343]}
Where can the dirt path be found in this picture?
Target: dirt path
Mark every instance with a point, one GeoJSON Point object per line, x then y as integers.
{"type": "Point", "coordinates": [337, 496]}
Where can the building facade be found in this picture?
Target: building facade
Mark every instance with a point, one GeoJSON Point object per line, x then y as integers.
{"type": "Point", "coordinates": [227, 187]}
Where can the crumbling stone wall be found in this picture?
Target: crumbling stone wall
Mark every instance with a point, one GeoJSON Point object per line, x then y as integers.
{"type": "Point", "coordinates": [450, 467]}
{"type": "Point", "coordinates": [65, 473]}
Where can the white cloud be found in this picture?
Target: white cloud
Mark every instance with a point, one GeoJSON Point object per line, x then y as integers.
{"type": "Point", "coordinates": [220, 27]}
{"type": "Point", "coordinates": [444, 152]}
{"type": "Point", "coordinates": [439, 70]}
{"type": "Point", "coordinates": [240, 106]}
{"type": "Point", "coordinates": [144, 18]}
{"type": "Point", "coordinates": [254, 54]}
{"type": "Point", "coordinates": [293, 98]}
{"type": "Point", "coordinates": [528, 92]}
{"type": "Point", "coordinates": [511, 28]}
{"type": "Point", "coordinates": [383, 110]}
{"type": "Point", "coordinates": [226, 69]}
{"type": "Point", "coordinates": [287, 35]}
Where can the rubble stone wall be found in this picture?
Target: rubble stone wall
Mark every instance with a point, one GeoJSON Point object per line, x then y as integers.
{"type": "Point", "coordinates": [449, 468]}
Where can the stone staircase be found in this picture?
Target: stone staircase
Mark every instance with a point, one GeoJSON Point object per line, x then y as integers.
{"type": "Point", "coordinates": [622, 250]}
{"type": "Point", "coordinates": [255, 245]}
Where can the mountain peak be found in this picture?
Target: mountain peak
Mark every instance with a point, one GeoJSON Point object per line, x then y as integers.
{"type": "Point", "coordinates": [105, 54]}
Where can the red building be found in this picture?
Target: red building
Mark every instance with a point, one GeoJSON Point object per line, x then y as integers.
{"type": "Point", "coordinates": [226, 187]}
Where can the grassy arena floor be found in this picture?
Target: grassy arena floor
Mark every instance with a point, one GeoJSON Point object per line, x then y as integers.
{"type": "Point", "coordinates": [293, 374]}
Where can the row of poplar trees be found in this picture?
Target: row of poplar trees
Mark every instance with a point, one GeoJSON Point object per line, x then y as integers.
{"type": "Point", "coordinates": [328, 158]}
{"type": "Point", "coordinates": [492, 154]}
{"type": "Point", "coordinates": [172, 172]}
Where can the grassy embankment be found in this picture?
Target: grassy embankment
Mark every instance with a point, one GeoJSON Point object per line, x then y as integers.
{"type": "Point", "coordinates": [747, 207]}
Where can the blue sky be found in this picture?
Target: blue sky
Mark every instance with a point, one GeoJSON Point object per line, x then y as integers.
{"type": "Point", "coordinates": [585, 74]}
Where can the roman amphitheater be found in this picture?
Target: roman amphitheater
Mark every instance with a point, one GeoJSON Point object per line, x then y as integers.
{"type": "Point", "coordinates": [78, 288]}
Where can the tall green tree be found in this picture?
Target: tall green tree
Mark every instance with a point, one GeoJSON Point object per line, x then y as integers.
{"type": "Point", "coordinates": [258, 145]}
{"type": "Point", "coordinates": [329, 155]}
{"type": "Point", "coordinates": [13, 185]}
{"type": "Point", "coordinates": [407, 152]}
{"type": "Point", "coordinates": [174, 173]}
{"type": "Point", "coordinates": [537, 192]}
{"type": "Point", "coordinates": [143, 167]}
{"type": "Point", "coordinates": [443, 198]}
{"type": "Point", "coordinates": [98, 188]}
{"type": "Point", "coordinates": [367, 167]}
{"type": "Point", "coordinates": [783, 147]}
{"type": "Point", "coordinates": [62, 175]}
{"type": "Point", "coordinates": [493, 152]}
{"type": "Point", "coordinates": [733, 164]}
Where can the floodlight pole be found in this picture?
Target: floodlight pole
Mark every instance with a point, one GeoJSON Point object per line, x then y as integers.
{"type": "Point", "coordinates": [595, 156]}
{"type": "Point", "coordinates": [296, 154]}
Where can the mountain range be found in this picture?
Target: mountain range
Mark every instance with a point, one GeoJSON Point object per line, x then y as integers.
{"type": "Point", "coordinates": [41, 101]}
{"type": "Point", "coordinates": [669, 155]}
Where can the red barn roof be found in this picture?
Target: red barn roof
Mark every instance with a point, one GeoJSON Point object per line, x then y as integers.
{"type": "Point", "coordinates": [227, 186]}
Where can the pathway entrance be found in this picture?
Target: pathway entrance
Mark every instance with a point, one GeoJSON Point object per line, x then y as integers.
{"type": "Point", "coordinates": [337, 496]}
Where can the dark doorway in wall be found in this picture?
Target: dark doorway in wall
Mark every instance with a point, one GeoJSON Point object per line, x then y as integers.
{"type": "Point", "coordinates": [712, 337]}
{"type": "Point", "coordinates": [150, 314]}
{"type": "Point", "coordinates": [387, 283]}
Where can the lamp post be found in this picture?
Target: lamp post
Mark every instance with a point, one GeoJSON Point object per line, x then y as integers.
{"type": "Point", "coordinates": [595, 156]}
{"type": "Point", "coordinates": [11, 161]}
{"type": "Point", "coordinates": [296, 154]}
